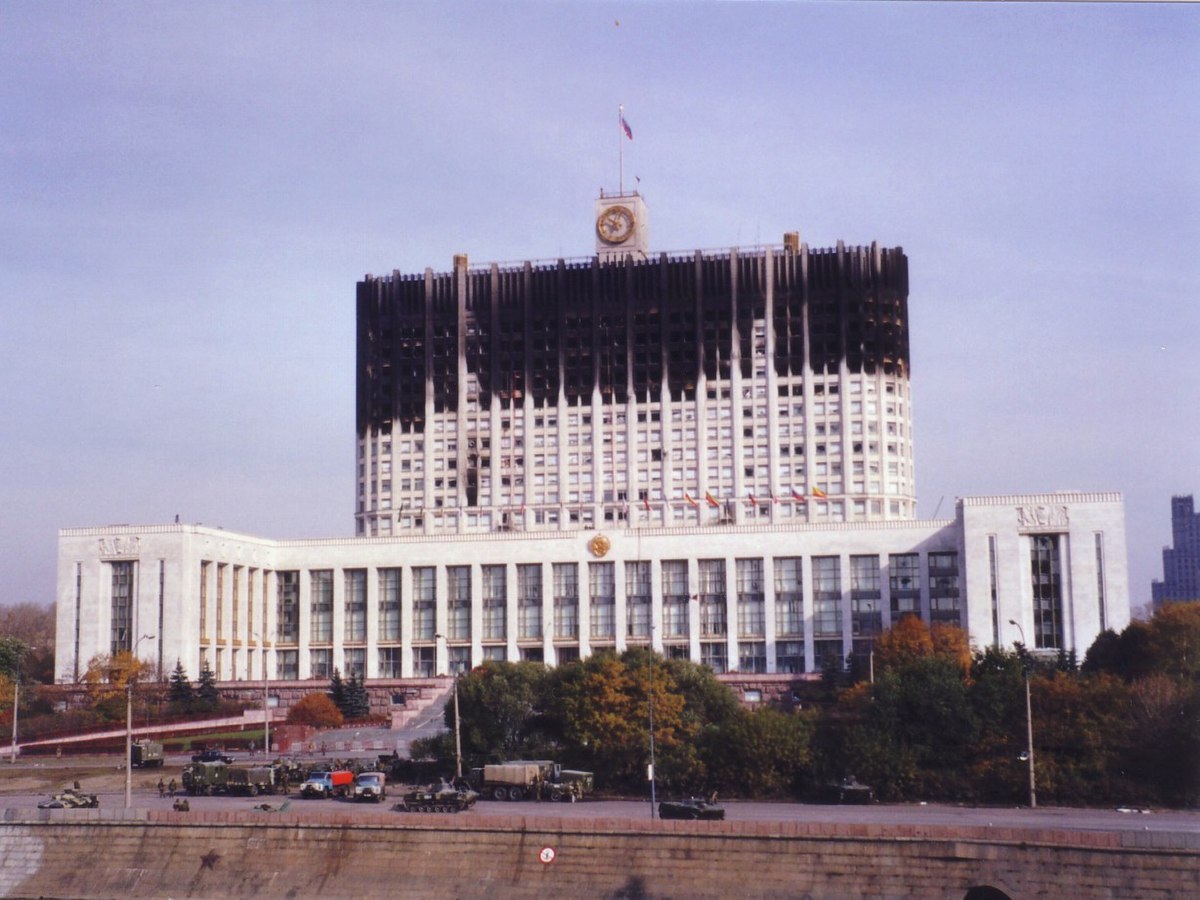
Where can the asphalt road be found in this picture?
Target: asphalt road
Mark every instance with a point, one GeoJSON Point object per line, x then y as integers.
{"type": "Point", "coordinates": [17, 792]}
{"type": "Point", "coordinates": [883, 814]}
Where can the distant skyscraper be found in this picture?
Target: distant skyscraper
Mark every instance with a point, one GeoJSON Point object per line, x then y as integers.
{"type": "Point", "coordinates": [1181, 561]}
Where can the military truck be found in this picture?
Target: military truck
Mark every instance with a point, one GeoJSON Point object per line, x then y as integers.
{"type": "Point", "coordinates": [253, 780]}
{"type": "Point", "coordinates": [526, 779]}
{"type": "Point", "coordinates": [206, 778]}
{"type": "Point", "coordinates": [145, 754]}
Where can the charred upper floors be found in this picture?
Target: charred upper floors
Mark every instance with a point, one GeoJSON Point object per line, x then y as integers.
{"type": "Point", "coordinates": [646, 330]}
{"type": "Point", "coordinates": [564, 395]}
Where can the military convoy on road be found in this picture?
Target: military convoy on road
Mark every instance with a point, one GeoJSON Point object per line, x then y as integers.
{"type": "Point", "coordinates": [538, 779]}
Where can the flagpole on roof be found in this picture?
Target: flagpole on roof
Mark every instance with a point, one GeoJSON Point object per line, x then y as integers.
{"type": "Point", "coordinates": [620, 148]}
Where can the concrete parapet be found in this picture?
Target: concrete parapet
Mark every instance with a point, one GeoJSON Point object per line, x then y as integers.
{"type": "Point", "coordinates": [98, 853]}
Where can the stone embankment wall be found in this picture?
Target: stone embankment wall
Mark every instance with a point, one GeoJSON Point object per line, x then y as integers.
{"type": "Point", "coordinates": [101, 853]}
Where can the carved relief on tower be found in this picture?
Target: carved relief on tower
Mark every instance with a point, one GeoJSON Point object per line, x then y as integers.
{"type": "Point", "coordinates": [1042, 516]}
{"type": "Point", "coordinates": [120, 547]}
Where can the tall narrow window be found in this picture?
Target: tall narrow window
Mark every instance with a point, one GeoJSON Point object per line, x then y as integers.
{"type": "Point", "coordinates": [751, 603]}
{"type": "Point", "coordinates": [943, 588]}
{"type": "Point", "coordinates": [1100, 598]}
{"type": "Point", "coordinates": [789, 600]}
{"type": "Point", "coordinates": [321, 605]}
{"type": "Point", "coordinates": [827, 596]}
{"type": "Point", "coordinates": [204, 569]}
{"type": "Point", "coordinates": [122, 607]}
{"type": "Point", "coordinates": [495, 602]}
{"type": "Point", "coordinates": [675, 598]}
{"type": "Point", "coordinates": [566, 600]}
{"type": "Point", "coordinates": [220, 598]}
{"type": "Point", "coordinates": [1046, 581]}
{"type": "Point", "coordinates": [287, 613]}
{"type": "Point", "coordinates": [529, 601]}
{"type": "Point", "coordinates": [866, 613]}
{"type": "Point", "coordinates": [637, 599]}
{"type": "Point", "coordinates": [424, 585]}
{"type": "Point", "coordinates": [236, 582]}
{"type": "Point", "coordinates": [904, 584]}
{"type": "Point", "coordinates": [458, 582]}
{"type": "Point", "coordinates": [602, 593]}
{"type": "Point", "coordinates": [389, 606]}
{"type": "Point", "coordinates": [994, 584]}
{"type": "Point", "coordinates": [713, 609]}
{"type": "Point", "coordinates": [356, 605]}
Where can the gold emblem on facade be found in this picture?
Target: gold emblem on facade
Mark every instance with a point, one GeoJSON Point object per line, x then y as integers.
{"type": "Point", "coordinates": [599, 545]}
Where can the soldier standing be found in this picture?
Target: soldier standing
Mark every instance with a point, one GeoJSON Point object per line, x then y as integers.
{"type": "Point", "coordinates": [162, 788]}
{"type": "Point", "coordinates": [171, 787]}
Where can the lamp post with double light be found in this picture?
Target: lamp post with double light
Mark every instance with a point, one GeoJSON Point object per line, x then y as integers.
{"type": "Point", "coordinates": [133, 665]}
{"type": "Point", "coordinates": [1028, 718]}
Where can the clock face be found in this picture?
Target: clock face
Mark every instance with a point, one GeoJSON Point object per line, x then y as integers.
{"type": "Point", "coordinates": [615, 225]}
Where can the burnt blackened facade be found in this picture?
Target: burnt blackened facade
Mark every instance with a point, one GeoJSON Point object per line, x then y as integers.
{"type": "Point", "coordinates": [674, 390]}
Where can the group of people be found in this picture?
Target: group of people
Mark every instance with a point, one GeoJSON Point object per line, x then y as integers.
{"type": "Point", "coordinates": [167, 790]}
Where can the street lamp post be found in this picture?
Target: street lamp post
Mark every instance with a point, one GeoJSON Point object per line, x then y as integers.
{"type": "Point", "coordinates": [16, 704]}
{"type": "Point", "coordinates": [1028, 720]}
{"type": "Point", "coordinates": [650, 772]}
{"type": "Point", "coordinates": [457, 729]}
{"type": "Point", "coordinates": [266, 707]}
{"type": "Point", "coordinates": [266, 699]}
{"type": "Point", "coordinates": [129, 720]}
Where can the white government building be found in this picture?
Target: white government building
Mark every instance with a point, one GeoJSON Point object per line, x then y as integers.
{"type": "Point", "coordinates": [710, 453]}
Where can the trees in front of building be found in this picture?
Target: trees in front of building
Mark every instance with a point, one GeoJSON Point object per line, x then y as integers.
{"type": "Point", "coordinates": [349, 696]}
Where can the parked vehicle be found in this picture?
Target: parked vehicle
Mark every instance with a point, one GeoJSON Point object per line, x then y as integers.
{"type": "Point", "coordinates": [323, 785]}
{"type": "Point", "coordinates": [370, 786]}
{"type": "Point", "coordinates": [206, 778]}
{"type": "Point", "coordinates": [253, 780]}
{"type": "Point", "coordinates": [521, 779]}
{"type": "Point", "coordinates": [690, 808]}
{"type": "Point", "coordinates": [443, 797]}
{"type": "Point", "coordinates": [145, 754]}
{"type": "Point", "coordinates": [212, 754]}
{"type": "Point", "coordinates": [849, 791]}
{"type": "Point", "coordinates": [71, 799]}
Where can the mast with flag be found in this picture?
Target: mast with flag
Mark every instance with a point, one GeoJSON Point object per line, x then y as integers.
{"type": "Point", "coordinates": [625, 132]}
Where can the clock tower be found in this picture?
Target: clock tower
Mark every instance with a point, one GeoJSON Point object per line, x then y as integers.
{"type": "Point", "coordinates": [621, 226]}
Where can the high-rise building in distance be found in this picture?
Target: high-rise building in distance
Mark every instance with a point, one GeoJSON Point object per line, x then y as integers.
{"type": "Point", "coordinates": [1181, 561]}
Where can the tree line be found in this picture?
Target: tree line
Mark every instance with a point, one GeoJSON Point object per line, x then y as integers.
{"type": "Point", "coordinates": [925, 719]}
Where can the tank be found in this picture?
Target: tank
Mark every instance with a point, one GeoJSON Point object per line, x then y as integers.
{"type": "Point", "coordinates": [442, 797]}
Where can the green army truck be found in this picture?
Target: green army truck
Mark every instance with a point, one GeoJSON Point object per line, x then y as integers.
{"type": "Point", "coordinates": [146, 754]}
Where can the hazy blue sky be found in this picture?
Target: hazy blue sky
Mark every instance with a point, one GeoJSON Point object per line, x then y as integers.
{"type": "Point", "coordinates": [189, 192]}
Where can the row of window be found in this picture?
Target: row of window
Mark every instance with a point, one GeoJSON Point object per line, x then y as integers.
{"type": "Point", "coordinates": [710, 596]}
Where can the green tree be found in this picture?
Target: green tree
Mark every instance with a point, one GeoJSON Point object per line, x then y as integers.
{"type": "Point", "coordinates": [337, 691]}
{"type": "Point", "coordinates": [502, 707]}
{"type": "Point", "coordinates": [909, 734]}
{"type": "Point", "coordinates": [357, 702]}
{"type": "Point", "coordinates": [180, 691]}
{"type": "Point", "coordinates": [207, 695]}
{"type": "Point", "coordinates": [315, 709]}
{"type": "Point", "coordinates": [760, 753]}
{"type": "Point", "coordinates": [997, 697]}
